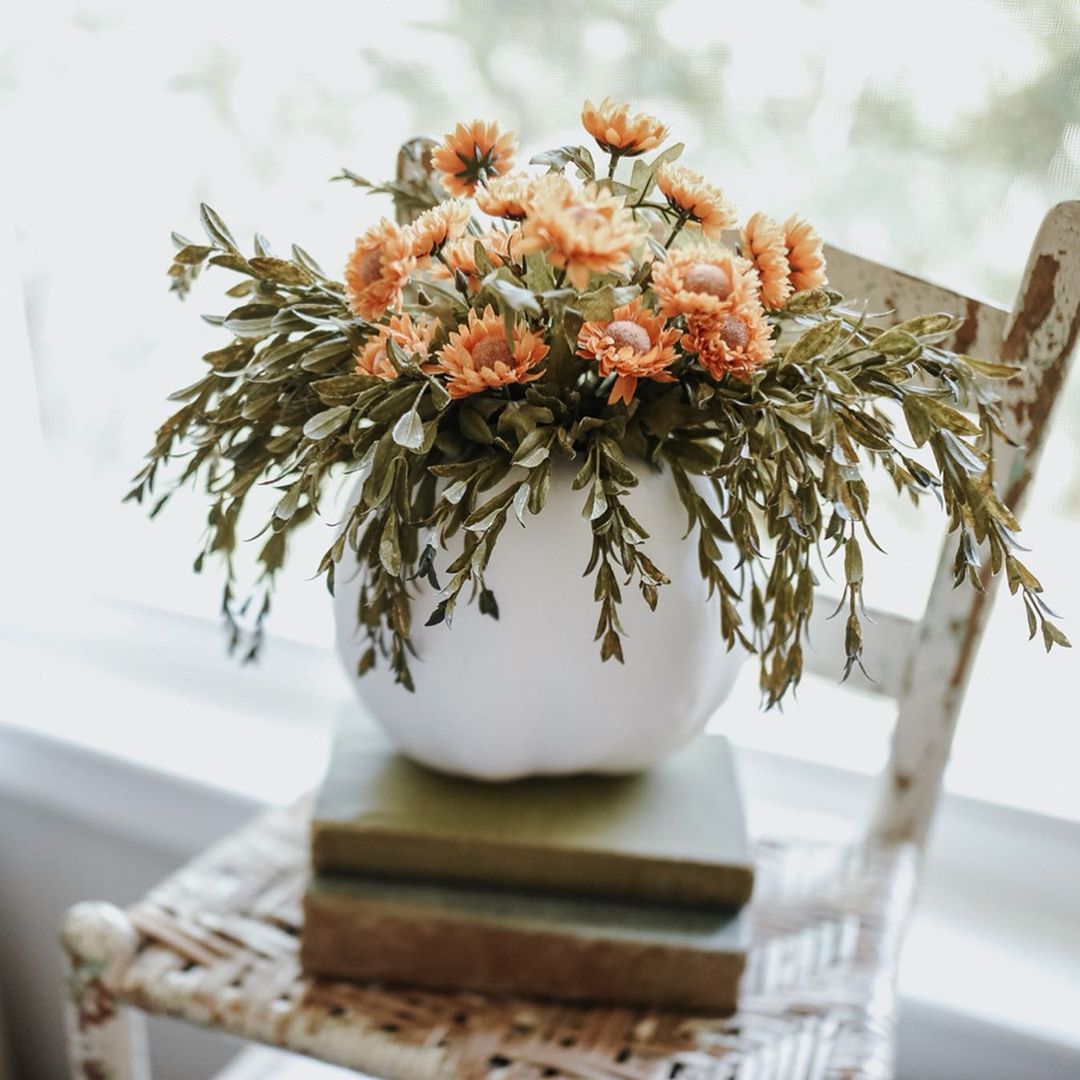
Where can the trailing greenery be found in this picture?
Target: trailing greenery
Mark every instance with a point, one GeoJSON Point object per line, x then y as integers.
{"type": "Point", "coordinates": [770, 464]}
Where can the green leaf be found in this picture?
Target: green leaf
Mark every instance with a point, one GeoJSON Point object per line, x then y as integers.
{"type": "Point", "coordinates": [853, 562]}
{"type": "Point", "coordinates": [409, 431]}
{"type": "Point", "coordinates": [280, 270]}
{"type": "Point", "coordinates": [515, 298]}
{"type": "Point", "coordinates": [534, 448]}
{"type": "Point", "coordinates": [987, 369]}
{"type": "Point", "coordinates": [389, 550]}
{"type": "Point", "coordinates": [488, 604]}
{"type": "Point", "coordinates": [611, 648]}
{"type": "Point", "coordinates": [289, 502]}
{"type": "Point", "coordinates": [665, 413]}
{"type": "Point", "coordinates": [817, 341]}
{"type": "Point", "coordinates": [192, 254]}
{"type": "Point", "coordinates": [1053, 636]}
{"type": "Point", "coordinates": [895, 342]}
{"type": "Point", "coordinates": [522, 417]}
{"type": "Point", "coordinates": [325, 423]}
{"type": "Point", "coordinates": [600, 303]}
{"type": "Point", "coordinates": [918, 421]}
{"type": "Point", "coordinates": [251, 321]}
{"type": "Point", "coordinates": [809, 302]}
{"type": "Point", "coordinates": [556, 160]}
{"type": "Point", "coordinates": [473, 426]}
{"type": "Point", "coordinates": [666, 157]}
{"type": "Point", "coordinates": [926, 326]}
{"type": "Point", "coordinates": [216, 229]}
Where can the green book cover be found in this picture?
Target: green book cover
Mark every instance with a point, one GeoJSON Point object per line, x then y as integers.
{"type": "Point", "coordinates": [674, 834]}
{"type": "Point", "coordinates": [540, 945]}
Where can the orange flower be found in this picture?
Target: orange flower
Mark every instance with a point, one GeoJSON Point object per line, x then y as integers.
{"type": "Point", "coordinates": [633, 344]}
{"type": "Point", "coordinates": [479, 357]}
{"type": "Point", "coordinates": [733, 342]}
{"type": "Point", "coordinates": [702, 280]}
{"type": "Point", "coordinates": [582, 232]}
{"type": "Point", "coordinates": [411, 338]}
{"type": "Point", "coordinates": [687, 192]}
{"type": "Point", "coordinates": [504, 196]}
{"type": "Point", "coordinates": [804, 254]}
{"type": "Point", "coordinates": [472, 153]}
{"type": "Point", "coordinates": [764, 245]}
{"type": "Point", "coordinates": [434, 227]}
{"type": "Point", "coordinates": [619, 133]}
{"type": "Point", "coordinates": [379, 266]}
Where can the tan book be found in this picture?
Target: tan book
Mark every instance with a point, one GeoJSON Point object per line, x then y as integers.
{"type": "Point", "coordinates": [549, 946]}
{"type": "Point", "coordinates": [675, 834]}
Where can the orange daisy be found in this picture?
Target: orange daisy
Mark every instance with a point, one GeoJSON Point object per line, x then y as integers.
{"type": "Point", "coordinates": [731, 343]}
{"type": "Point", "coordinates": [378, 268]}
{"type": "Point", "coordinates": [633, 345]}
{"type": "Point", "coordinates": [473, 153]}
{"type": "Point", "coordinates": [434, 227]}
{"type": "Point", "coordinates": [582, 232]}
{"type": "Point", "coordinates": [504, 196]}
{"type": "Point", "coordinates": [479, 357]}
{"type": "Point", "coordinates": [412, 338]}
{"type": "Point", "coordinates": [617, 132]}
{"type": "Point", "coordinates": [805, 254]}
{"type": "Point", "coordinates": [688, 193]}
{"type": "Point", "coordinates": [764, 245]}
{"type": "Point", "coordinates": [702, 280]}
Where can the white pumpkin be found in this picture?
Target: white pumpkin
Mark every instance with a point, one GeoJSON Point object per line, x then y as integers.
{"type": "Point", "coordinates": [527, 694]}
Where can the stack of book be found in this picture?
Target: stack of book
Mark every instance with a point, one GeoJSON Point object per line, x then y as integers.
{"type": "Point", "coordinates": [616, 889]}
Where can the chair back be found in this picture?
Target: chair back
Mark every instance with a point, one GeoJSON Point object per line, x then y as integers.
{"type": "Point", "coordinates": [925, 664]}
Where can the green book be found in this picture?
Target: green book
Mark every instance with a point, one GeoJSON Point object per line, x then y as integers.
{"type": "Point", "coordinates": [550, 946]}
{"type": "Point", "coordinates": [675, 834]}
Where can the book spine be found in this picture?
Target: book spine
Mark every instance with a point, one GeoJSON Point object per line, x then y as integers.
{"type": "Point", "coordinates": [346, 938]}
{"type": "Point", "coordinates": [396, 855]}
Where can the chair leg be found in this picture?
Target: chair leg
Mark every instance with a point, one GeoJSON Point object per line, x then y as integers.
{"type": "Point", "coordinates": [106, 1041]}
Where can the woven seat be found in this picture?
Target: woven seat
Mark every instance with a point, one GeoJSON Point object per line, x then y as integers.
{"type": "Point", "coordinates": [217, 944]}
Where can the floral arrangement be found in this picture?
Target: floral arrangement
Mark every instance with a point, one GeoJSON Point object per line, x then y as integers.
{"type": "Point", "coordinates": [613, 317]}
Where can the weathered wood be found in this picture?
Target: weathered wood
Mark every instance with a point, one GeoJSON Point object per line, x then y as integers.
{"type": "Point", "coordinates": [886, 290]}
{"type": "Point", "coordinates": [1040, 336]}
{"type": "Point", "coordinates": [105, 1040]}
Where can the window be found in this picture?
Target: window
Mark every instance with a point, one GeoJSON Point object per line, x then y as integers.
{"type": "Point", "coordinates": [901, 133]}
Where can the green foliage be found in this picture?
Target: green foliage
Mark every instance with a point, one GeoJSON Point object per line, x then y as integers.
{"type": "Point", "coordinates": [770, 469]}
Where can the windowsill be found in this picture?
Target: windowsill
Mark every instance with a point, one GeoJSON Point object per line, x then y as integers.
{"type": "Point", "coordinates": [204, 742]}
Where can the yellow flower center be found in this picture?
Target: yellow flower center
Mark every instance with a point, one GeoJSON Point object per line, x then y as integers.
{"type": "Point", "coordinates": [707, 278]}
{"type": "Point", "coordinates": [491, 351]}
{"type": "Point", "coordinates": [734, 333]}
{"type": "Point", "coordinates": [626, 333]}
{"type": "Point", "coordinates": [370, 268]}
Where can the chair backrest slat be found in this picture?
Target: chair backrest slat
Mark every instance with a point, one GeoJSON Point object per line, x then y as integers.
{"type": "Point", "coordinates": [887, 644]}
{"type": "Point", "coordinates": [884, 289]}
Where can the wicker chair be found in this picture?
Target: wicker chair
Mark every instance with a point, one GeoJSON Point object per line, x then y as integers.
{"type": "Point", "coordinates": [216, 944]}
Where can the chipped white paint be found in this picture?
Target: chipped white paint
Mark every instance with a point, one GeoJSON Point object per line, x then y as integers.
{"type": "Point", "coordinates": [105, 1040]}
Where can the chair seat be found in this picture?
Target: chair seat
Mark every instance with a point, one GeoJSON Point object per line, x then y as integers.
{"type": "Point", "coordinates": [218, 945]}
